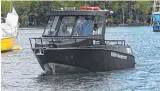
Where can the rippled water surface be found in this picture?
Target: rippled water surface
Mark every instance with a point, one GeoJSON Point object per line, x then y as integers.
{"type": "Point", "coordinates": [21, 71]}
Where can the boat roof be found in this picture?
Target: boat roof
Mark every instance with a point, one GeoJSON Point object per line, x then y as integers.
{"type": "Point", "coordinates": [102, 13]}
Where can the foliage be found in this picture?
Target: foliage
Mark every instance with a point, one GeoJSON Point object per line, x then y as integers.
{"type": "Point", "coordinates": [110, 20]}
{"type": "Point", "coordinates": [6, 7]}
{"type": "Point", "coordinates": [124, 11]}
{"type": "Point", "coordinates": [129, 20]}
{"type": "Point", "coordinates": [24, 20]}
{"type": "Point", "coordinates": [116, 6]}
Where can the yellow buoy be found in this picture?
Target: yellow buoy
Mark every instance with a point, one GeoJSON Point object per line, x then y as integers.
{"type": "Point", "coordinates": [16, 47]}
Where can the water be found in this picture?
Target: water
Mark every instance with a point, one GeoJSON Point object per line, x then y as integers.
{"type": "Point", "coordinates": [21, 71]}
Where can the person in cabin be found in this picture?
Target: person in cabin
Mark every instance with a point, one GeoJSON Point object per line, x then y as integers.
{"type": "Point", "coordinates": [64, 31]}
{"type": "Point", "coordinates": [84, 29]}
{"type": "Point", "coordinates": [96, 30]}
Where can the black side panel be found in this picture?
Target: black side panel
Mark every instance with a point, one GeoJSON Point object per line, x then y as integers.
{"type": "Point", "coordinates": [90, 59]}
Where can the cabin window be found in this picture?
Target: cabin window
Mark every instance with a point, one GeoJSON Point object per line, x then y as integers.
{"type": "Point", "coordinates": [51, 26]}
{"type": "Point", "coordinates": [98, 25]}
{"type": "Point", "coordinates": [156, 18]}
{"type": "Point", "coordinates": [66, 26]}
{"type": "Point", "coordinates": [83, 26]}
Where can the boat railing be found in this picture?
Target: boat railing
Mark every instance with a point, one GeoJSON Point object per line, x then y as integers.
{"type": "Point", "coordinates": [43, 42]}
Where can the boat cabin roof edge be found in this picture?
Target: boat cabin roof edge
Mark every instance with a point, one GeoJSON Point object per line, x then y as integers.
{"type": "Point", "coordinates": [102, 13]}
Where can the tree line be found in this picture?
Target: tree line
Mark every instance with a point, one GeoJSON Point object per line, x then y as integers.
{"type": "Point", "coordinates": [32, 13]}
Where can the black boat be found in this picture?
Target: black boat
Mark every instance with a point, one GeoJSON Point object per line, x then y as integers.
{"type": "Point", "coordinates": [74, 40]}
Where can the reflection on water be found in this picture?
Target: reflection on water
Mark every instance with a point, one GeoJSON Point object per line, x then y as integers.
{"type": "Point", "coordinates": [21, 71]}
{"type": "Point", "coordinates": [89, 81]}
{"type": "Point", "coordinates": [8, 53]}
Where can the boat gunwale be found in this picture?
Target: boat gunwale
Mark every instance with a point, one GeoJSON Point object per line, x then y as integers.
{"type": "Point", "coordinates": [80, 48]}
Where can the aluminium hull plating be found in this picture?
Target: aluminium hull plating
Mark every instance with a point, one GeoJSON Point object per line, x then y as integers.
{"type": "Point", "coordinates": [92, 59]}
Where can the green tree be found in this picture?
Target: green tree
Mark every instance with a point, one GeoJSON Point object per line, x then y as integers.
{"type": "Point", "coordinates": [124, 11]}
{"type": "Point", "coordinates": [5, 7]}
{"type": "Point", "coordinates": [142, 10]}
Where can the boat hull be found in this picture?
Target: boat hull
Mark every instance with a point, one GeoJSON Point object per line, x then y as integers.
{"type": "Point", "coordinates": [91, 59]}
{"type": "Point", "coordinates": [156, 28]}
{"type": "Point", "coordinates": [7, 43]}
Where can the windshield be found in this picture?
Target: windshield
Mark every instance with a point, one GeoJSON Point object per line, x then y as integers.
{"type": "Point", "coordinates": [66, 26]}
{"type": "Point", "coordinates": [98, 25]}
{"type": "Point", "coordinates": [156, 17]}
{"type": "Point", "coordinates": [83, 26]}
{"type": "Point", "coordinates": [70, 26]}
{"type": "Point", "coordinates": [50, 29]}
{"type": "Point", "coordinates": [61, 27]}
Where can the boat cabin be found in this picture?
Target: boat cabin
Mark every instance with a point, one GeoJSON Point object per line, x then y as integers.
{"type": "Point", "coordinates": [156, 17]}
{"type": "Point", "coordinates": [76, 23]}
{"type": "Point", "coordinates": [156, 21]}
{"type": "Point", "coordinates": [74, 28]}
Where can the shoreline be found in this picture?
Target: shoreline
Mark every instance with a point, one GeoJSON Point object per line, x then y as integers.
{"type": "Point", "coordinates": [32, 28]}
{"type": "Point", "coordinates": [128, 25]}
